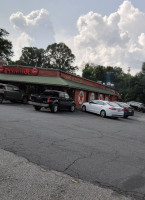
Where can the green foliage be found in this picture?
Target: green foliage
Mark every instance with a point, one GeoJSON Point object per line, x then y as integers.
{"type": "Point", "coordinates": [56, 56]}
{"type": "Point", "coordinates": [59, 56]}
{"type": "Point", "coordinates": [131, 87]}
{"type": "Point", "coordinates": [143, 68]}
{"type": "Point", "coordinates": [31, 56]}
{"type": "Point", "coordinates": [94, 73]}
{"type": "Point", "coordinates": [5, 46]}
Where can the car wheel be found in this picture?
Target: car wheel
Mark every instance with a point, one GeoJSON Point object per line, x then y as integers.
{"type": "Point", "coordinates": [24, 101]}
{"type": "Point", "coordinates": [103, 113]}
{"type": "Point", "coordinates": [84, 108]}
{"type": "Point", "coordinates": [1, 98]}
{"type": "Point", "coordinates": [72, 108]}
{"type": "Point", "coordinates": [54, 108]}
{"type": "Point", "coordinates": [125, 116]}
{"type": "Point", "coordinates": [37, 108]}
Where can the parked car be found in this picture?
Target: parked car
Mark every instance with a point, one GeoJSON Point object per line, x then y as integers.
{"type": "Point", "coordinates": [137, 106]}
{"type": "Point", "coordinates": [12, 93]}
{"type": "Point", "coordinates": [53, 99]}
{"type": "Point", "coordinates": [141, 107]}
{"type": "Point", "coordinates": [133, 104]}
{"type": "Point", "coordinates": [103, 108]}
{"type": "Point", "coordinates": [128, 110]}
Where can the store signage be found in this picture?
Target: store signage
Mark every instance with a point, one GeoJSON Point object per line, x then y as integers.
{"type": "Point", "coordinates": [19, 70]}
{"type": "Point", "coordinates": [101, 97]}
{"type": "Point", "coordinates": [92, 97]}
{"type": "Point", "coordinates": [81, 97]}
{"type": "Point", "coordinates": [1, 69]}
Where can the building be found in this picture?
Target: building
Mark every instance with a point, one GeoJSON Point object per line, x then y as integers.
{"type": "Point", "coordinates": [36, 80]}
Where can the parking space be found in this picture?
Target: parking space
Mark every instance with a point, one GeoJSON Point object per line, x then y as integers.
{"type": "Point", "coordinates": [104, 151]}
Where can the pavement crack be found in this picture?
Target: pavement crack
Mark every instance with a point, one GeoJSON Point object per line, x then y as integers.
{"type": "Point", "coordinates": [80, 158]}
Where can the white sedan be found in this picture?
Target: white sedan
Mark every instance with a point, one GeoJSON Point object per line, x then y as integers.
{"type": "Point", "coordinates": [103, 108]}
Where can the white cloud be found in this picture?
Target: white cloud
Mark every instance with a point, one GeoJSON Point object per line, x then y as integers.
{"type": "Point", "coordinates": [24, 40]}
{"type": "Point", "coordinates": [116, 40]}
{"type": "Point", "coordinates": [36, 28]}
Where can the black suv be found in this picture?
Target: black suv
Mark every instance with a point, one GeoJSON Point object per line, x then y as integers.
{"type": "Point", "coordinates": [12, 93]}
{"type": "Point", "coordinates": [53, 99]}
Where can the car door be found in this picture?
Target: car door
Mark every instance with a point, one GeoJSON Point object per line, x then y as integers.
{"type": "Point", "coordinates": [62, 100]}
{"type": "Point", "coordinates": [8, 93]}
{"type": "Point", "coordinates": [100, 106]}
{"type": "Point", "coordinates": [93, 106]}
{"type": "Point", "coordinates": [68, 100]}
{"type": "Point", "coordinates": [17, 95]}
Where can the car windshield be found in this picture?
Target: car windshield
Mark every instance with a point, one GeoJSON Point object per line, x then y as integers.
{"type": "Point", "coordinates": [123, 104]}
{"type": "Point", "coordinates": [51, 94]}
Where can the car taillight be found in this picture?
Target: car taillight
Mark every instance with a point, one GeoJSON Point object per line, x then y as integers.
{"type": "Point", "coordinates": [124, 109]}
{"type": "Point", "coordinates": [48, 99]}
{"type": "Point", "coordinates": [112, 108]}
{"type": "Point", "coordinates": [30, 96]}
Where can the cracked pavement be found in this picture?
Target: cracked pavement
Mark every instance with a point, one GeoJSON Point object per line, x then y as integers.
{"type": "Point", "coordinates": [106, 152]}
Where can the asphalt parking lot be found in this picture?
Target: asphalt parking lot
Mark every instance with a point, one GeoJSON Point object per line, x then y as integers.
{"type": "Point", "coordinates": [106, 152]}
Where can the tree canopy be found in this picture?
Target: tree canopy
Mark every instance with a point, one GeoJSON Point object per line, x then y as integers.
{"type": "Point", "coordinates": [5, 46]}
{"type": "Point", "coordinates": [131, 87]}
{"type": "Point", "coordinates": [56, 56]}
{"type": "Point", "coordinates": [59, 56]}
{"type": "Point", "coordinates": [31, 56]}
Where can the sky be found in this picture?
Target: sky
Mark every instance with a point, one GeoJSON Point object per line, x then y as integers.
{"type": "Point", "coordinates": [102, 32]}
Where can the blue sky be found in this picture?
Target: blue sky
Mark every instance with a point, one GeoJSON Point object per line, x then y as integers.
{"type": "Point", "coordinates": [71, 22]}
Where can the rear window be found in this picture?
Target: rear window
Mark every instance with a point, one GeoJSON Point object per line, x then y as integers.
{"type": "Point", "coordinates": [125, 104]}
{"type": "Point", "coordinates": [10, 88]}
{"type": "Point", "coordinates": [51, 94]}
{"type": "Point", "coordinates": [113, 104]}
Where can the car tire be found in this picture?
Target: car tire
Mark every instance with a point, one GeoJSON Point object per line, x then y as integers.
{"type": "Point", "coordinates": [54, 108]}
{"type": "Point", "coordinates": [1, 98]}
{"type": "Point", "coordinates": [84, 108]}
{"type": "Point", "coordinates": [125, 116]}
{"type": "Point", "coordinates": [72, 108]}
{"type": "Point", "coordinates": [103, 113]}
{"type": "Point", "coordinates": [25, 100]}
{"type": "Point", "coordinates": [37, 108]}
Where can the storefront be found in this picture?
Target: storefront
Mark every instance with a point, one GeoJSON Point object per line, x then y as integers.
{"type": "Point", "coordinates": [36, 80]}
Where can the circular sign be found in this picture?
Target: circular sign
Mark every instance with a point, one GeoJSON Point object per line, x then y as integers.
{"type": "Point", "coordinates": [1, 69]}
{"type": "Point", "coordinates": [34, 71]}
{"type": "Point", "coordinates": [92, 97]}
{"type": "Point", "coordinates": [101, 97]}
{"type": "Point", "coordinates": [81, 97]}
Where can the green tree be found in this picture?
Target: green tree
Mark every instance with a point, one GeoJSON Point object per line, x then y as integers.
{"type": "Point", "coordinates": [143, 68]}
{"type": "Point", "coordinates": [99, 73]}
{"type": "Point", "coordinates": [5, 46]}
{"type": "Point", "coordinates": [59, 56]}
{"type": "Point", "coordinates": [31, 56]}
{"type": "Point", "coordinates": [88, 72]}
{"type": "Point", "coordinates": [94, 73]}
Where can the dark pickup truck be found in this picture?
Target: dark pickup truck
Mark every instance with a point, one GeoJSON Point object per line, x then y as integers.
{"type": "Point", "coordinates": [12, 93]}
{"type": "Point", "coordinates": [54, 100]}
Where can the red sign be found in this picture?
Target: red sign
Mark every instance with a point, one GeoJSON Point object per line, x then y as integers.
{"type": "Point", "coordinates": [19, 70]}
{"type": "Point", "coordinates": [35, 71]}
{"type": "Point", "coordinates": [1, 69]}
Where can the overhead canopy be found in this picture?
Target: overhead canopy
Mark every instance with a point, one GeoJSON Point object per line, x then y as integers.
{"type": "Point", "coordinates": [57, 81]}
